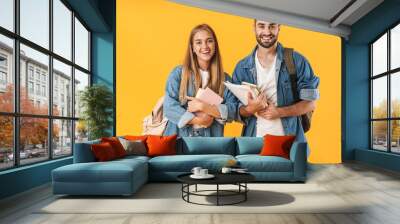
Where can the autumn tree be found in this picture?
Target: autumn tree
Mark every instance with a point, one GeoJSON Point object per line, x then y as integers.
{"type": "Point", "coordinates": [6, 122]}
{"type": "Point", "coordinates": [380, 127]}
{"type": "Point", "coordinates": [33, 130]}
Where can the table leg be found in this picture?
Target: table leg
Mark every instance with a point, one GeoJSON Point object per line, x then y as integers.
{"type": "Point", "coordinates": [245, 193]}
{"type": "Point", "coordinates": [217, 194]}
{"type": "Point", "coordinates": [182, 188]}
{"type": "Point", "coordinates": [188, 190]}
{"type": "Point", "coordinates": [196, 188]}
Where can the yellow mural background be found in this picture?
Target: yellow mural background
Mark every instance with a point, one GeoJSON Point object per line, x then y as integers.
{"type": "Point", "coordinates": [151, 40]}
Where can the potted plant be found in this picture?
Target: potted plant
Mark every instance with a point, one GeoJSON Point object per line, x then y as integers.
{"type": "Point", "coordinates": [96, 102]}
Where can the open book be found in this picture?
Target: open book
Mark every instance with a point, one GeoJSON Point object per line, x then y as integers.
{"type": "Point", "coordinates": [241, 91]}
{"type": "Point", "coordinates": [209, 96]}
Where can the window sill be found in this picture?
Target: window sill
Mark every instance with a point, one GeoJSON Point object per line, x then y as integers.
{"type": "Point", "coordinates": [378, 158]}
{"type": "Point", "coordinates": [25, 167]}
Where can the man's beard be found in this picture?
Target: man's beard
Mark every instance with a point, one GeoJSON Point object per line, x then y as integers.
{"type": "Point", "coordinates": [269, 44]}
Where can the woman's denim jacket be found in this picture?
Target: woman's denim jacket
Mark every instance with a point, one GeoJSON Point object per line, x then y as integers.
{"type": "Point", "coordinates": [179, 117]}
{"type": "Point", "coordinates": [307, 88]}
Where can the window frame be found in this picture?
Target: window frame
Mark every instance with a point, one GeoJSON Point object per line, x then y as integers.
{"type": "Point", "coordinates": [16, 114]}
{"type": "Point", "coordinates": [388, 74]}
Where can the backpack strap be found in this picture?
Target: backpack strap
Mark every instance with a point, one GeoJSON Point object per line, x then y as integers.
{"type": "Point", "coordinates": [288, 58]}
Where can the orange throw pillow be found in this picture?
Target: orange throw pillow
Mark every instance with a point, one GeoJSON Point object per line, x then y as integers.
{"type": "Point", "coordinates": [116, 145]}
{"type": "Point", "coordinates": [103, 152]}
{"type": "Point", "coordinates": [277, 145]}
{"type": "Point", "coordinates": [161, 145]}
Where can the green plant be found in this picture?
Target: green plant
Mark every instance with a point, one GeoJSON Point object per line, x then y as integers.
{"type": "Point", "coordinates": [96, 103]}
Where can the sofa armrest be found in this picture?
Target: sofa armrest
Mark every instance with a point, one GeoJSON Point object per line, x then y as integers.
{"type": "Point", "coordinates": [83, 152]}
{"type": "Point", "coordinates": [298, 155]}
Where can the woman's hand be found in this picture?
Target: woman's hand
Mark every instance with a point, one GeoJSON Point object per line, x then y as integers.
{"type": "Point", "coordinates": [195, 105]}
{"type": "Point", "coordinates": [202, 119]}
{"type": "Point", "coordinates": [205, 120]}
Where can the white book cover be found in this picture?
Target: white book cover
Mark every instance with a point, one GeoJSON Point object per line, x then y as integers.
{"type": "Point", "coordinates": [241, 91]}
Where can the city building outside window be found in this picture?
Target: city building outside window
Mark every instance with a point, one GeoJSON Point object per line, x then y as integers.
{"type": "Point", "coordinates": [3, 78]}
{"type": "Point", "coordinates": [30, 87]}
{"type": "Point", "coordinates": [3, 60]}
{"type": "Point", "coordinates": [30, 72]}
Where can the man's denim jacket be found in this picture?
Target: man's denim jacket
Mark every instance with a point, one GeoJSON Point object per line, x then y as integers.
{"type": "Point", "coordinates": [307, 87]}
{"type": "Point", "coordinates": [179, 117]}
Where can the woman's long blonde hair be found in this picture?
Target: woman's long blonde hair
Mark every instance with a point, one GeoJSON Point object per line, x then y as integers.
{"type": "Point", "coordinates": [191, 66]}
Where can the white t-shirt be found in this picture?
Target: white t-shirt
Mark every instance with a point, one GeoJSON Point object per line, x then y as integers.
{"type": "Point", "coordinates": [205, 77]}
{"type": "Point", "coordinates": [266, 80]}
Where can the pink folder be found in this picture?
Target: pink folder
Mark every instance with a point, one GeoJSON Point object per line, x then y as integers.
{"type": "Point", "coordinates": [209, 96]}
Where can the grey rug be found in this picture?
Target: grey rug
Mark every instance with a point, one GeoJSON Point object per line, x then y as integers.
{"type": "Point", "coordinates": [166, 198]}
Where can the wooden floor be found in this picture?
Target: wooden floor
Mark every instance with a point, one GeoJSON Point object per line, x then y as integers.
{"type": "Point", "coordinates": [377, 188]}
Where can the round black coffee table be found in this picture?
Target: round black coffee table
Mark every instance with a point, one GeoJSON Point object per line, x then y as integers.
{"type": "Point", "coordinates": [238, 179]}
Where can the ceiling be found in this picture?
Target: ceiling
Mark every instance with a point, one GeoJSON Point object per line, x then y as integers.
{"type": "Point", "coordinates": [326, 16]}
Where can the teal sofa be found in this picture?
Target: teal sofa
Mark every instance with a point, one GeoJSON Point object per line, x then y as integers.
{"type": "Point", "coordinates": [125, 176]}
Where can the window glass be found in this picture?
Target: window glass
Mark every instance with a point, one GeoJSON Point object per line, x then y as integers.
{"type": "Point", "coordinates": [395, 136]}
{"type": "Point", "coordinates": [62, 29]}
{"type": "Point", "coordinates": [62, 138]}
{"type": "Point", "coordinates": [379, 56]}
{"type": "Point", "coordinates": [6, 74]}
{"type": "Point", "coordinates": [6, 142]}
{"type": "Point", "coordinates": [34, 20]}
{"type": "Point", "coordinates": [379, 135]}
{"type": "Point", "coordinates": [81, 131]}
{"type": "Point", "coordinates": [7, 14]}
{"type": "Point", "coordinates": [395, 95]}
{"type": "Point", "coordinates": [62, 91]}
{"type": "Point", "coordinates": [39, 62]}
{"type": "Point", "coordinates": [33, 140]}
{"type": "Point", "coordinates": [379, 97]}
{"type": "Point", "coordinates": [81, 82]}
{"type": "Point", "coordinates": [81, 45]}
{"type": "Point", "coordinates": [395, 47]}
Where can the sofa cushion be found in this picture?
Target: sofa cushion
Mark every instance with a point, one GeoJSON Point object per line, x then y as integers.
{"type": "Point", "coordinates": [206, 145]}
{"type": "Point", "coordinates": [277, 145]}
{"type": "Point", "coordinates": [257, 163]}
{"type": "Point", "coordinates": [249, 145]}
{"type": "Point", "coordinates": [103, 152]}
{"type": "Point", "coordinates": [116, 145]}
{"type": "Point", "coordinates": [134, 147]}
{"type": "Point", "coordinates": [161, 145]}
{"type": "Point", "coordinates": [111, 171]}
{"type": "Point", "coordinates": [131, 158]}
{"type": "Point", "coordinates": [185, 163]}
{"type": "Point", "coordinates": [83, 152]}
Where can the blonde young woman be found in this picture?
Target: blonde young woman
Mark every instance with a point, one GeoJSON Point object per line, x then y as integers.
{"type": "Point", "coordinates": [202, 68]}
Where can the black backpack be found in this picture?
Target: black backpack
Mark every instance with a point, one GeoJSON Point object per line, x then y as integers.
{"type": "Point", "coordinates": [288, 58]}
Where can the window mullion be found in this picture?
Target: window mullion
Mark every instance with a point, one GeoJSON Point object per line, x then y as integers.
{"type": "Point", "coordinates": [50, 81]}
{"type": "Point", "coordinates": [16, 85]}
{"type": "Point", "coordinates": [371, 140]}
{"type": "Point", "coordinates": [73, 82]}
{"type": "Point", "coordinates": [389, 104]}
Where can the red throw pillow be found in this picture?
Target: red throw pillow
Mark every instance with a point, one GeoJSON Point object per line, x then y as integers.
{"type": "Point", "coordinates": [277, 146]}
{"type": "Point", "coordinates": [103, 152]}
{"type": "Point", "coordinates": [116, 145]}
{"type": "Point", "coordinates": [161, 145]}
